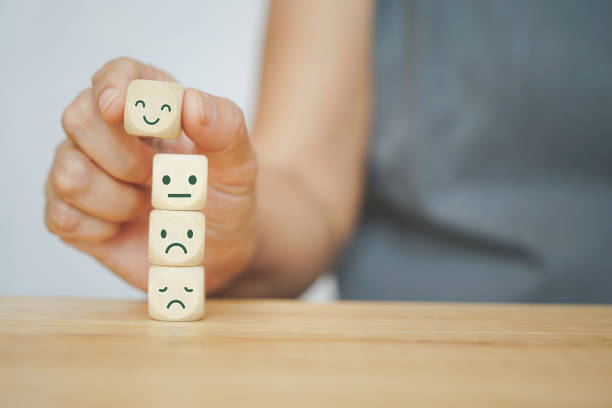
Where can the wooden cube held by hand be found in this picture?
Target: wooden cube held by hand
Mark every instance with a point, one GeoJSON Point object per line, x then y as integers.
{"type": "Point", "coordinates": [176, 238]}
{"type": "Point", "coordinates": [179, 181]}
{"type": "Point", "coordinates": [153, 108]}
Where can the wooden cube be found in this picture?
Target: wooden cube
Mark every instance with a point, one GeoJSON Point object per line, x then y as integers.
{"type": "Point", "coordinates": [179, 181]}
{"type": "Point", "coordinates": [176, 238]}
{"type": "Point", "coordinates": [176, 293]}
{"type": "Point", "coordinates": [153, 108]}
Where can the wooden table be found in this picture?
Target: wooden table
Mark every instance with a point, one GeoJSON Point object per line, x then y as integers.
{"type": "Point", "coordinates": [256, 353]}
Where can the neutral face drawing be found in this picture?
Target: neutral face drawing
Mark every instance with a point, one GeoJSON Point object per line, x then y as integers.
{"type": "Point", "coordinates": [179, 181]}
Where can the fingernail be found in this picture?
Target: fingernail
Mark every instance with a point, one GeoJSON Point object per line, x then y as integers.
{"type": "Point", "coordinates": [208, 110]}
{"type": "Point", "coordinates": [107, 97]}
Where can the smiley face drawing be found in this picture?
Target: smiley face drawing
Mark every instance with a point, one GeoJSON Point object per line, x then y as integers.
{"type": "Point", "coordinates": [176, 238]}
{"type": "Point", "coordinates": [153, 108]}
{"type": "Point", "coordinates": [179, 181]}
{"type": "Point", "coordinates": [144, 117]}
{"type": "Point", "coordinates": [176, 294]}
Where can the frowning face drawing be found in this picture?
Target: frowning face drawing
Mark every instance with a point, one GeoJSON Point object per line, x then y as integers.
{"type": "Point", "coordinates": [176, 238]}
{"type": "Point", "coordinates": [176, 293]}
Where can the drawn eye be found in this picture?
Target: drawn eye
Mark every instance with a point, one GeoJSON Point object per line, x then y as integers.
{"type": "Point", "coordinates": [192, 179]}
{"type": "Point", "coordinates": [164, 289]}
{"type": "Point", "coordinates": [165, 105]}
{"type": "Point", "coordinates": [163, 233]}
{"type": "Point", "coordinates": [190, 234]}
{"type": "Point", "coordinates": [166, 179]}
{"type": "Point", "coordinates": [188, 290]}
{"type": "Point", "coordinates": [140, 101]}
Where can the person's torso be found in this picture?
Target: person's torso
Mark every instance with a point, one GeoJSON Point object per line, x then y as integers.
{"type": "Point", "coordinates": [491, 157]}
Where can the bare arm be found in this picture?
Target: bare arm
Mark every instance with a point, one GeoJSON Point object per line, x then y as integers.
{"type": "Point", "coordinates": [268, 233]}
{"type": "Point", "coordinates": [311, 137]}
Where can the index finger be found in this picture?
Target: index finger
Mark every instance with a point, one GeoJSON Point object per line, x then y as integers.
{"type": "Point", "coordinates": [111, 81]}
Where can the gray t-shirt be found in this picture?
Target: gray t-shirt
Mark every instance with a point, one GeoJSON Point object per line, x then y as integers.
{"type": "Point", "coordinates": [490, 173]}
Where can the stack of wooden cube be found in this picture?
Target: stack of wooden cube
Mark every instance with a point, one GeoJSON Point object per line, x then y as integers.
{"type": "Point", "coordinates": [178, 195]}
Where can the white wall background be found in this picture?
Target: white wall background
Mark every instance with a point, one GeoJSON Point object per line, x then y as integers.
{"type": "Point", "coordinates": [48, 53]}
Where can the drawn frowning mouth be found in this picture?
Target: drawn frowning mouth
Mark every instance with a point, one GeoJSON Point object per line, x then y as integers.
{"type": "Point", "coordinates": [177, 244]}
{"type": "Point", "coordinates": [175, 301]}
{"type": "Point", "coordinates": [150, 123]}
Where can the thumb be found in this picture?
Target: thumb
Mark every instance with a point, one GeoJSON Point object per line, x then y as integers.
{"type": "Point", "coordinates": [217, 128]}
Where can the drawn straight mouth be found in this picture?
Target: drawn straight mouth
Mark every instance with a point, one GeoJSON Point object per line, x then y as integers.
{"type": "Point", "coordinates": [150, 123]}
{"type": "Point", "coordinates": [179, 195]}
{"type": "Point", "coordinates": [176, 244]}
{"type": "Point", "coordinates": [175, 301]}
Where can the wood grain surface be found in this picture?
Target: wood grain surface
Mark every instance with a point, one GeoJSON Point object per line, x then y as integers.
{"type": "Point", "coordinates": [264, 353]}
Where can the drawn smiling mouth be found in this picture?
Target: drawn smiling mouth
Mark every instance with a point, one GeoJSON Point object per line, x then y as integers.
{"type": "Point", "coordinates": [150, 123]}
{"type": "Point", "coordinates": [178, 244]}
{"type": "Point", "coordinates": [175, 301]}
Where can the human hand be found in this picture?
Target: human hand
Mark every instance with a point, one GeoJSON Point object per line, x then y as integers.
{"type": "Point", "coordinates": [98, 189]}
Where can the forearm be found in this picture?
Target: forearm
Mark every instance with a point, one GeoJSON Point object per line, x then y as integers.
{"type": "Point", "coordinates": [295, 237]}
{"type": "Point", "coordinates": [310, 136]}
